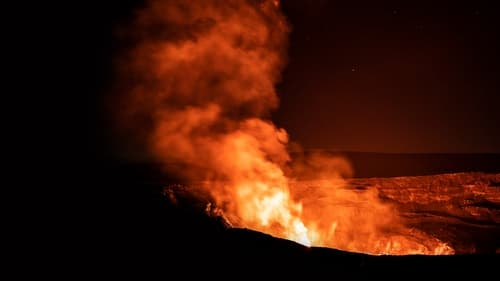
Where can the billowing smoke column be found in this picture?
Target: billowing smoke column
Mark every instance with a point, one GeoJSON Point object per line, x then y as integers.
{"type": "Point", "coordinates": [205, 73]}
{"type": "Point", "coordinates": [200, 84]}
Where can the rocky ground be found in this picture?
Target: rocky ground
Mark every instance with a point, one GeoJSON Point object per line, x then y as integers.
{"type": "Point", "coordinates": [462, 209]}
{"type": "Point", "coordinates": [137, 230]}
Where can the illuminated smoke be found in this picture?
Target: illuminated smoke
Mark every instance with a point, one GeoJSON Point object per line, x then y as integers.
{"type": "Point", "coordinates": [199, 86]}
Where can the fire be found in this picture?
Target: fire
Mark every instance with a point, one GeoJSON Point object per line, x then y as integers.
{"type": "Point", "coordinates": [276, 212]}
{"type": "Point", "coordinates": [198, 85]}
{"type": "Point", "coordinates": [326, 213]}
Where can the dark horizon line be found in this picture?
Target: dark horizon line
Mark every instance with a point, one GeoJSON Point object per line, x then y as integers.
{"type": "Point", "coordinates": [400, 153]}
{"type": "Point", "coordinates": [346, 153]}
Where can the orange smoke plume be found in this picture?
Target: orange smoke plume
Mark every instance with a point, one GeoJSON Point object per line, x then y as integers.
{"type": "Point", "coordinates": [201, 82]}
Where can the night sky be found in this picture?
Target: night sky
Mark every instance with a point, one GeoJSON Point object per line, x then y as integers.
{"type": "Point", "coordinates": [406, 76]}
{"type": "Point", "coordinates": [400, 76]}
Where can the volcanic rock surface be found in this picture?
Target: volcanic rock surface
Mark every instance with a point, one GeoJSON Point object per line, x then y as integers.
{"type": "Point", "coordinates": [153, 228]}
{"type": "Point", "coordinates": [461, 209]}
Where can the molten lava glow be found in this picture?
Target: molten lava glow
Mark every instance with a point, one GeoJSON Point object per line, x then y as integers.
{"type": "Point", "coordinates": [198, 84]}
{"type": "Point", "coordinates": [277, 213]}
{"type": "Point", "coordinates": [330, 214]}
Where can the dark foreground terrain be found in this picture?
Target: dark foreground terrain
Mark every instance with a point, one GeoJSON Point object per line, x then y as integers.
{"type": "Point", "coordinates": [139, 233]}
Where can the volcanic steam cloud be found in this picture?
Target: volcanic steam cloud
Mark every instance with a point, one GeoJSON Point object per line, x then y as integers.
{"type": "Point", "coordinates": [198, 89]}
